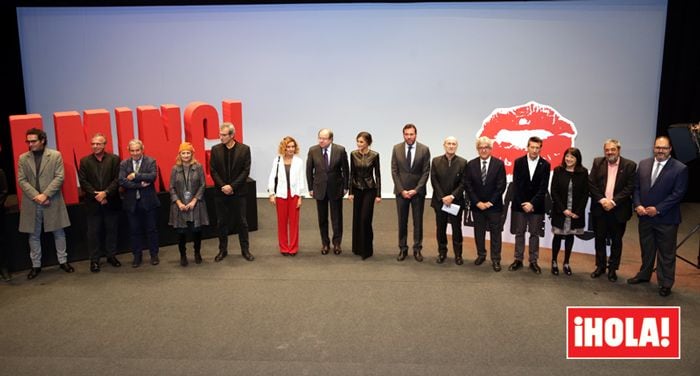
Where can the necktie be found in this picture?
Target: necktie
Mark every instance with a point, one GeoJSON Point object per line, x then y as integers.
{"type": "Point", "coordinates": [408, 156]}
{"type": "Point", "coordinates": [483, 172]}
{"type": "Point", "coordinates": [136, 170]}
{"type": "Point", "coordinates": [325, 157]}
{"type": "Point", "coordinates": [655, 175]}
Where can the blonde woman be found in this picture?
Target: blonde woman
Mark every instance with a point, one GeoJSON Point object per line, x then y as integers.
{"type": "Point", "coordinates": [188, 210]}
{"type": "Point", "coordinates": [287, 186]}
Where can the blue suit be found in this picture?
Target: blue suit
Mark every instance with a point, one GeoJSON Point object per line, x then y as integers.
{"type": "Point", "coordinates": [140, 203]}
{"type": "Point", "coordinates": [660, 231]}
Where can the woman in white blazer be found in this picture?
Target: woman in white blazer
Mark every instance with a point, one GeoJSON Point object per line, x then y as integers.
{"type": "Point", "coordinates": [287, 186]}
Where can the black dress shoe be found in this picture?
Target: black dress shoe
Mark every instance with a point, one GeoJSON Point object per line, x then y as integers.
{"type": "Point", "coordinates": [440, 259]}
{"type": "Point", "coordinates": [136, 262]}
{"type": "Point", "coordinates": [612, 276]}
{"type": "Point", "coordinates": [247, 255]}
{"type": "Point", "coordinates": [418, 256]}
{"type": "Point", "coordinates": [459, 260]}
{"type": "Point", "coordinates": [5, 274]}
{"type": "Point", "coordinates": [325, 249]}
{"type": "Point", "coordinates": [636, 280]}
{"type": "Point", "coordinates": [95, 267]}
{"type": "Point", "coordinates": [293, 254]}
{"type": "Point", "coordinates": [567, 269]}
{"type": "Point", "coordinates": [66, 267]}
{"type": "Point", "coordinates": [479, 260]}
{"type": "Point", "coordinates": [155, 260]}
{"type": "Point", "coordinates": [33, 273]}
{"type": "Point", "coordinates": [402, 255]}
{"type": "Point", "coordinates": [517, 264]}
{"type": "Point", "coordinates": [535, 268]}
{"type": "Point", "coordinates": [598, 272]}
{"type": "Point", "coordinates": [285, 254]}
{"type": "Point", "coordinates": [197, 257]}
{"type": "Point", "coordinates": [665, 291]}
{"type": "Point", "coordinates": [496, 266]}
{"type": "Point", "coordinates": [220, 256]}
{"type": "Point", "coordinates": [337, 250]}
{"type": "Point", "coordinates": [555, 268]}
{"type": "Point", "coordinates": [184, 261]}
{"type": "Point", "coordinates": [114, 262]}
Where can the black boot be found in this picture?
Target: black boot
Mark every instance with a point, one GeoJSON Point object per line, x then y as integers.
{"type": "Point", "coordinates": [183, 250]}
{"type": "Point", "coordinates": [197, 247]}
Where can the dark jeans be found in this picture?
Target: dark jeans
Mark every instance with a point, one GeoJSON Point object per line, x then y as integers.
{"type": "Point", "coordinates": [143, 222]}
{"type": "Point", "coordinates": [231, 210]}
{"type": "Point", "coordinates": [102, 227]}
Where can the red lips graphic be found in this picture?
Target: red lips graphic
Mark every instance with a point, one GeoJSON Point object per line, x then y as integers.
{"type": "Point", "coordinates": [511, 127]}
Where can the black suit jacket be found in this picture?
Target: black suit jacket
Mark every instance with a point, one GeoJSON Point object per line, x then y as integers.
{"type": "Point", "coordinates": [238, 171]}
{"type": "Point", "coordinates": [99, 176]}
{"type": "Point", "coordinates": [417, 176]}
{"type": "Point", "coordinates": [624, 186]}
{"type": "Point", "coordinates": [530, 190]}
{"type": "Point", "coordinates": [492, 191]}
{"type": "Point", "coordinates": [446, 178]}
{"type": "Point", "coordinates": [327, 183]}
{"type": "Point", "coordinates": [147, 173]}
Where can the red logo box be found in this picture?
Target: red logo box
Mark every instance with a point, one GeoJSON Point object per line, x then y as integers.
{"type": "Point", "coordinates": [623, 332]}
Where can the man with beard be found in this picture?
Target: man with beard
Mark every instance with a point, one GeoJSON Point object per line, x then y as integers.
{"type": "Point", "coordinates": [610, 183]}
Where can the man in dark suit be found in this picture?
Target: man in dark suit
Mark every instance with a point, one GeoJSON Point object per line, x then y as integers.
{"type": "Point", "coordinates": [410, 169]}
{"type": "Point", "coordinates": [327, 175]}
{"type": "Point", "coordinates": [137, 176]}
{"type": "Point", "coordinates": [99, 180]}
{"type": "Point", "coordinates": [660, 184]}
{"type": "Point", "coordinates": [229, 167]}
{"type": "Point", "coordinates": [485, 182]}
{"type": "Point", "coordinates": [530, 182]}
{"type": "Point", "coordinates": [610, 184]}
{"type": "Point", "coordinates": [448, 190]}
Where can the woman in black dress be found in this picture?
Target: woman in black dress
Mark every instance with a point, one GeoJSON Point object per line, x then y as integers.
{"type": "Point", "coordinates": [365, 191]}
{"type": "Point", "coordinates": [569, 197]}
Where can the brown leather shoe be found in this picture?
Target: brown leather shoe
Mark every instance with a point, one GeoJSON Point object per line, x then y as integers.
{"type": "Point", "coordinates": [337, 250]}
{"type": "Point", "coordinates": [325, 249]}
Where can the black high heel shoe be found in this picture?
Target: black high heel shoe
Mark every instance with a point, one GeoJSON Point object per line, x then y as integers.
{"type": "Point", "coordinates": [567, 269]}
{"type": "Point", "coordinates": [555, 268]}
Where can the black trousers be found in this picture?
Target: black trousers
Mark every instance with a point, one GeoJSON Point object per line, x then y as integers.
{"type": "Point", "coordinates": [490, 221]}
{"type": "Point", "coordinates": [231, 210]}
{"type": "Point", "coordinates": [441, 220]}
{"type": "Point", "coordinates": [102, 227]}
{"type": "Point", "coordinates": [143, 222]}
{"type": "Point", "coordinates": [607, 227]}
{"type": "Point", "coordinates": [336, 207]}
{"type": "Point", "coordinates": [416, 204]}
{"type": "Point", "coordinates": [658, 242]}
{"type": "Point", "coordinates": [362, 214]}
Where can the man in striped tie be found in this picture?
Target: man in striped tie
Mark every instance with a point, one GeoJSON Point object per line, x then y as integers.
{"type": "Point", "coordinates": [485, 182]}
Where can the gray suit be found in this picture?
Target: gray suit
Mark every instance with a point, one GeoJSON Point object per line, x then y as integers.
{"type": "Point", "coordinates": [53, 216]}
{"type": "Point", "coordinates": [408, 178]}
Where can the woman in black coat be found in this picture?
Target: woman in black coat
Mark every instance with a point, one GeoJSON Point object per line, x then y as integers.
{"type": "Point", "coordinates": [569, 192]}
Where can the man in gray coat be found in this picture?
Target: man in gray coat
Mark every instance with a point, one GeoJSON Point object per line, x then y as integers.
{"type": "Point", "coordinates": [40, 177]}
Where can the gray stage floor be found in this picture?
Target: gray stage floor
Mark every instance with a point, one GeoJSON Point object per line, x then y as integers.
{"type": "Point", "coordinates": [325, 315]}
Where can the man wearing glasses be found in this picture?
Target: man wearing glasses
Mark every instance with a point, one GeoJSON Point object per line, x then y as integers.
{"type": "Point", "coordinates": [40, 177]}
{"type": "Point", "coordinates": [659, 187]}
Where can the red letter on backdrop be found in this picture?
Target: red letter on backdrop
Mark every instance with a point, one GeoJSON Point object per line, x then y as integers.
{"type": "Point", "coordinates": [124, 118]}
{"type": "Point", "coordinates": [201, 121]}
{"type": "Point", "coordinates": [233, 112]}
{"type": "Point", "coordinates": [160, 132]}
{"type": "Point", "coordinates": [73, 141]}
{"type": "Point", "coordinates": [19, 125]}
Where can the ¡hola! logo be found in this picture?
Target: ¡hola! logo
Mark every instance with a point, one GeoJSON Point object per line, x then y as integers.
{"type": "Point", "coordinates": [623, 332]}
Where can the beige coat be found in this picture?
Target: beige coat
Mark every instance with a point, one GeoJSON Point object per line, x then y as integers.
{"type": "Point", "coordinates": [50, 181]}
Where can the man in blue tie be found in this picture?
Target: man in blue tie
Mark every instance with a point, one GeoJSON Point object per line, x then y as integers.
{"type": "Point", "coordinates": [660, 184]}
{"type": "Point", "coordinates": [410, 169]}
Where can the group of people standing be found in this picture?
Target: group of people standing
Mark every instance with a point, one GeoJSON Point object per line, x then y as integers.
{"type": "Point", "coordinates": [109, 186]}
{"type": "Point", "coordinates": [473, 191]}
{"type": "Point", "coordinates": [470, 190]}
